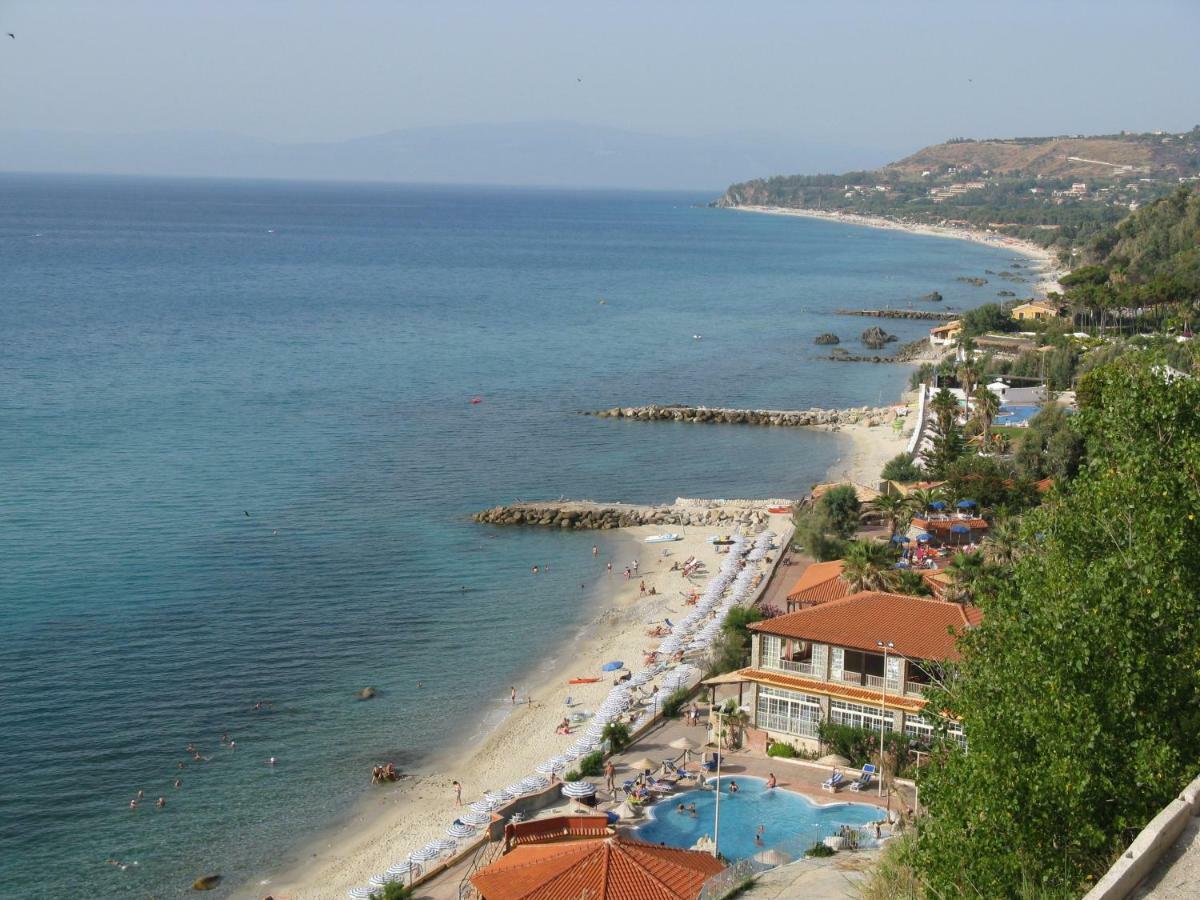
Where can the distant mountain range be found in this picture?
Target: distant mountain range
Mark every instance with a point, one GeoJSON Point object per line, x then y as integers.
{"type": "Point", "coordinates": [541, 153]}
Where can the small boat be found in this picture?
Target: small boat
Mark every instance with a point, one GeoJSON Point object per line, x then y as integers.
{"type": "Point", "coordinates": [779, 510]}
{"type": "Point", "coordinates": [662, 538]}
{"type": "Point", "coordinates": [583, 681]}
{"type": "Point", "coordinates": [720, 540]}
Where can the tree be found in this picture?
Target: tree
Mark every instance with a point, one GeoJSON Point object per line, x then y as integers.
{"type": "Point", "coordinates": [1079, 692]}
{"type": "Point", "coordinates": [912, 583]}
{"type": "Point", "coordinates": [393, 890]}
{"type": "Point", "coordinates": [968, 573]}
{"type": "Point", "coordinates": [1051, 446]}
{"type": "Point", "coordinates": [840, 508]}
{"type": "Point", "coordinates": [731, 649]}
{"type": "Point", "coordinates": [946, 446]}
{"type": "Point", "coordinates": [896, 510]}
{"type": "Point", "coordinates": [901, 468]}
{"type": "Point", "coordinates": [825, 526]}
{"type": "Point", "coordinates": [985, 406]}
{"type": "Point", "coordinates": [945, 409]}
{"type": "Point", "coordinates": [867, 566]}
{"type": "Point", "coordinates": [989, 317]}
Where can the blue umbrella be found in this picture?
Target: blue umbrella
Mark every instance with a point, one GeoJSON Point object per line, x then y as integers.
{"type": "Point", "coordinates": [938, 504]}
{"type": "Point", "coordinates": [965, 504]}
{"type": "Point", "coordinates": [924, 537]}
{"type": "Point", "coordinates": [899, 539]}
{"type": "Point", "coordinates": [959, 528]}
{"type": "Point", "coordinates": [612, 666]}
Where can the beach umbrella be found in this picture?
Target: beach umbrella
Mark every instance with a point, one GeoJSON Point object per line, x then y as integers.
{"type": "Point", "coordinates": [360, 893]}
{"type": "Point", "coordinates": [627, 811]}
{"type": "Point", "coordinates": [833, 759]}
{"type": "Point", "coordinates": [535, 783]}
{"type": "Point", "coordinates": [579, 789]}
{"type": "Point", "coordinates": [381, 880]}
{"type": "Point", "coordinates": [965, 504]}
{"type": "Point", "coordinates": [423, 855]}
{"type": "Point", "coordinates": [475, 818]}
{"type": "Point", "coordinates": [517, 789]}
{"type": "Point", "coordinates": [645, 764]}
{"type": "Point", "coordinates": [460, 830]}
{"type": "Point", "coordinates": [498, 796]}
{"type": "Point", "coordinates": [483, 806]}
{"type": "Point", "coordinates": [959, 528]}
{"type": "Point", "coordinates": [899, 539]}
{"type": "Point", "coordinates": [612, 666]}
{"type": "Point", "coordinates": [924, 537]}
{"type": "Point", "coordinates": [938, 504]}
{"type": "Point", "coordinates": [444, 845]}
{"type": "Point", "coordinates": [400, 869]}
{"type": "Point", "coordinates": [686, 744]}
{"type": "Point", "coordinates": [548, 767]}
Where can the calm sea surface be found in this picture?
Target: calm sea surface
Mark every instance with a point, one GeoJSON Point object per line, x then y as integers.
{"type": "Point", "coordinates": [238, 457]}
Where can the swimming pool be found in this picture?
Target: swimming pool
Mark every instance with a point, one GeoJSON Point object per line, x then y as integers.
{"type": "Point", "coordinates": [793, 822]}
{"type": "Point", "coordinates": [1016, 415]}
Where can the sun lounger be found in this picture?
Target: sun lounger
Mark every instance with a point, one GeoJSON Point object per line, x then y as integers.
{"type": "Point", "coordinates": [835, 783]}
{"type": "Point", "coordinates": [863, 780]}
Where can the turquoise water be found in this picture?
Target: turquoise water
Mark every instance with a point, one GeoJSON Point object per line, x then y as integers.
{"type": "Point", "coordinates": [792, 823]}
{"type": "Point", "coordinates": [239, 461]}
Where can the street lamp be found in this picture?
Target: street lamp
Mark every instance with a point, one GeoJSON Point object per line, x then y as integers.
{"type": "Point", "coordinates": [883, 706]}
{"type": "Point", "coordinates": [717, 803]}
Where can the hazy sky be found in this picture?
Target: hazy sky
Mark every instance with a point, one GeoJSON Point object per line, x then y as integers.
{"type": "Point", "coordinates": [889, 74]}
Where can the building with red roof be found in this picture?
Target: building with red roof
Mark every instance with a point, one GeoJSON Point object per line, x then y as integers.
{"type": "Point", "coordinates": [612, 868]}
{"type": "Point", "coordinates": [820, 582]}
{"type": "Point", "coordinates": [827, 663]}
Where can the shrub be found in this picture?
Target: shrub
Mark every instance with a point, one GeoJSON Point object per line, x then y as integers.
{"type": "Point", "coordinates": [782, 750]}
{"type": "Point", "coordinates": [572, 775]}
{"type": "Point", "coordinates": [675, 701]}
{"type": "Point", "coordinates": [592, 764]}
{"type": "Point", "coordinates": [393, 891]}
{"type": "Point", "coordinates": [819, 850]}
{"type": "Point", "coordinates": [617, 735]}
{"type": "Point", "coordinates": [901, 468]}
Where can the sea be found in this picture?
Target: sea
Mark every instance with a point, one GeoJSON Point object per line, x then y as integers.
{"type": "Point", "coordinates": [240, 446]}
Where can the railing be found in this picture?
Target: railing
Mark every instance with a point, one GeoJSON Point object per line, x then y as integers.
{"type": "Point", "coordinates": [876, 681]}
{"type": "Point", "coordinates": [847, 677]}
{"type": "Point", "coordinates": [787, 665]}
{"type": "Point", "coordinates": [915, 687]}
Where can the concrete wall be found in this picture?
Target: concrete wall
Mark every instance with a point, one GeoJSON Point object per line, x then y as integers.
{"type": "Point", "coordinates": [1148, 847]}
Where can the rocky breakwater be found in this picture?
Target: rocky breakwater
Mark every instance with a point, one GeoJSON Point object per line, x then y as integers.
{"type": "Point", "coordinates": [796, 418]}
{"type": "Point", "coordinates": [926, 314]}
{"type": "Point", "coordinates": [585, 515]}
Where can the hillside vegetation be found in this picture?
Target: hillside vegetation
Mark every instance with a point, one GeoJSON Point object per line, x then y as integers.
{"type": "Point", "coordinates": [1059, 192]}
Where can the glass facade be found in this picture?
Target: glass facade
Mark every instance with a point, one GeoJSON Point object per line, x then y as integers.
{"type": "Point", "coordinates": [788, 711]}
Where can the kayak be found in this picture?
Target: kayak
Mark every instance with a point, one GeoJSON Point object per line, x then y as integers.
{"type": "Point", "coordinates": [779, 510]}
{"type": "Point", "coordinates": [583, 681]}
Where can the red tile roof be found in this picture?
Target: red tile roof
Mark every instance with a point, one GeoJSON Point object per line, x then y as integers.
{"type": "Point", "coordinates": [609, 869]}
{"type": "Point", "coordinates": [831, 689]}
{"type": "Point", "coordinates": [1044, 485]}
{"type": "Point", "coordinates": [819, 582]}
{"type": "Point", "coordinates": [918, 626]}
{"type": "Point", "coordinates": [975, 524]}
{"type": "Point", "coordinates": [558, 828]}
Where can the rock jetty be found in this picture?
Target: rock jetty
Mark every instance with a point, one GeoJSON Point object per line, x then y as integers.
{"type": "Point", "coordinates": [796, 418]}
{"type": "Point", "coordinates": [900, 314]}
{"type": "Point", "coordinates": [827, 338]}
{"type": "Point", "coordinates": [582, 515]}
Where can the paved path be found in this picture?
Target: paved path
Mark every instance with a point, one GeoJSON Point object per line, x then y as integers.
{"type": "Point", "coordinates": [833, 878]}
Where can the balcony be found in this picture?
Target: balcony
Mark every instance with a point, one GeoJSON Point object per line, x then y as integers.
{"type": "Point", "coordinates": [786, 724]}
{"type": "Point", "coordinates": [916, 688]}
{"type": "Point", "coordinates": [798, 668]}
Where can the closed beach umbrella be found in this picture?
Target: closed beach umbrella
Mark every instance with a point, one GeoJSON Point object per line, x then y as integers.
{"type": "Point", "coordinates": [460, 830]}
{"type": "Point", "coordinates": [579, 789]}
{"type": "Point", "coordinates": [612, 666]}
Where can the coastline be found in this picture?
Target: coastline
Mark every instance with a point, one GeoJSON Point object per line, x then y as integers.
{"type": "Point", "coordinates": [392, 820]}
{"type": "Point", "coordinates": [1048, 267]}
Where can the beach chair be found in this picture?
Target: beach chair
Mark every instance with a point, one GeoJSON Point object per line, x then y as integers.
{"type": "Point", "coordinates": [834, 783]}
{"type": "Point", "coordinates": [863, 780]}
{"type": "Point", "coordinates": [710, 764]}
{"type": "Point", "coordinates": [627, 787]}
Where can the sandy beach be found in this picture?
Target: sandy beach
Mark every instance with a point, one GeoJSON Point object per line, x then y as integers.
{"type": "Point", "coordinates": [394, 819]}
{"type": "Point", "coordinates": [1048, 268]}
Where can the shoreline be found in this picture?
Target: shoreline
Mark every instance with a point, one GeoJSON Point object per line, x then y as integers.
{"type": "Point", "coordinates": [1048, 267]}
{"type": "Point", "coordinates": [389, 822]}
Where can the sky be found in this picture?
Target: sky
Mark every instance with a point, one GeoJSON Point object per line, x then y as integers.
{"type": "Point", "coordinates": [891, 75]}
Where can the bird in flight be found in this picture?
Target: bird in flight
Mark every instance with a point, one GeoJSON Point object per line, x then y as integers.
{"type": "Point", "coordinates": [580, 80]}
{"type": "Point", "coordinates": [247, 512]}
{"type": "Point", "coordinates": [11, 35]}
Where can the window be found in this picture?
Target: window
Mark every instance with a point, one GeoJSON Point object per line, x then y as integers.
{"type": "Point", "coordinates": [924, 731]}
{"type": "Point", "coordinates": [859, 716]}
{"type": "Point", "coordinates": [788, 711]}
{"type": "Point", "coordinates": [771, 648]}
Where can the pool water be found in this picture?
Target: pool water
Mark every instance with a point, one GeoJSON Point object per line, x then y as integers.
{"type": "Point", "coordinates": [793, 822]}
{"type": "Point", "coordinates": [1016, 415]}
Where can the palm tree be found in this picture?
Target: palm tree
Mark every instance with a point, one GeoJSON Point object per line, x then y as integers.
{"type": "Point", "coordinates": [1003, 545]}
{"type": "Point", "coordinates": [968, 572]}
{"type": "Point", "coordinates": [968, 374]}
{"type": "Point", "coordinates": [945, 408]}
{"type": "Point", "coordinates": [923, 498]}
{"type": "Point", "coordinates": [986, 406]}
{"type": "Point", "coordinates": [867, 566]}
{"type": "Point", "coordinates": [912, 583]}
{"type": "Point", "coordinates": [897, 510]}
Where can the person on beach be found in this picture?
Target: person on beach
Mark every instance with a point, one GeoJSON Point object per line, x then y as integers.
{"type": "Point", "coordinates": [771, 780]}
{"type": "Point", "coordinates": [512, 695]}
{"type": "Point", "coordinates": [610, 779]}
{"type": "Point", "coordinates": [457, 794]}
{"type": "Point", "coordinates": [635, 567]}
{"type": "Point", "coordinates": [642, 587]}
{"type": "Point", "coordinates": [627, 573]}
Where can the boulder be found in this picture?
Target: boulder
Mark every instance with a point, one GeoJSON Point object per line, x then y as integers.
{"type": "Point", "coordinates": [827, 338]}
{"type": "Point", "coordinates": [367, 693]}
{"type": "Point", "coordinates": [207, 883]}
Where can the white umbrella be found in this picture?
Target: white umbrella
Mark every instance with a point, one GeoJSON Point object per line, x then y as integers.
{"type": "Point", "coordinates": [443, 845]}
{"type": "Point", "coordinates": [400, 868]}
{"type": "Point", "coordinates": [423, 854]}
{"type": "Point", "coordinates": [517, 789]}
{"type": "Point", "coordinates": [461, 830]}
{"type": "Point", "coordinates": [484, 806]}
{"type": "Point", "coordinates": [498, 797]}
{"type": "Point", "coordinates": [550, 765]}
{"type": "Point", "coordinates": [360, 893]}
{"type": "Point", "coordinates": [475, 818]}
{"type": "Point", "coordinates": [579, 789]}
